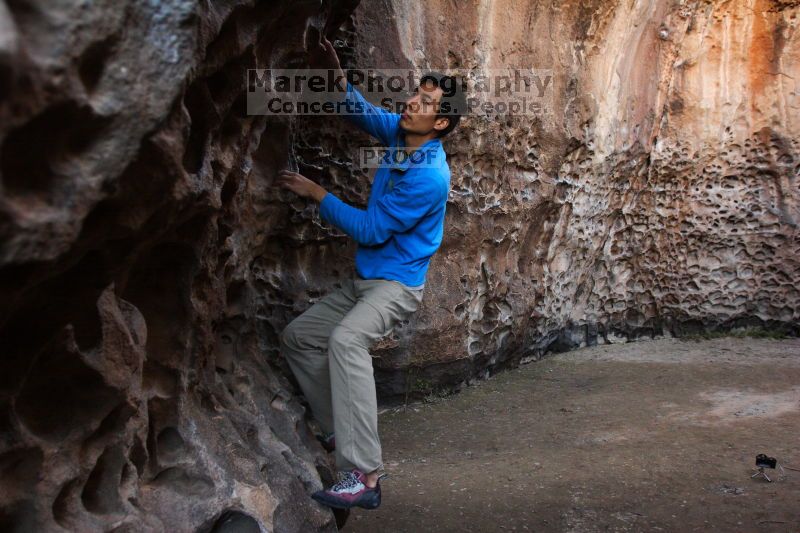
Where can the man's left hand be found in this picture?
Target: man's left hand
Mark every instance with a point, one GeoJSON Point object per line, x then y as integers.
{"type": "Point", "coordinates": [300, 185]}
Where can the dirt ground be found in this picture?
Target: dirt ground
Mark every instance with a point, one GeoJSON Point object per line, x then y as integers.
{"type": "Point", "coordinates": [647, 436]}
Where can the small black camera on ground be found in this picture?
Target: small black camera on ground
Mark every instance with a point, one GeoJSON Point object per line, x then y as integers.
{"type": "Point", "coordinates": [764, 461]}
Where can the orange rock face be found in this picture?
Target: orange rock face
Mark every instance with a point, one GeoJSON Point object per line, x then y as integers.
{"type": "Point", "coordinates": [657, 196]}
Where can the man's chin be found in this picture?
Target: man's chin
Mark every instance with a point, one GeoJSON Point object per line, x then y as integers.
{"type": "Point", "coordinates": [405, 126]}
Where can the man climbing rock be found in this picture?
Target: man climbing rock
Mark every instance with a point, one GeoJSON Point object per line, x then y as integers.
{"type": "Point", "coordinates": [327, 347]}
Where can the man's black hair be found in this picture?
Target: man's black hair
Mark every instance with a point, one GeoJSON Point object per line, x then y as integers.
{"type": "Point", "coordinates": [454, 102]}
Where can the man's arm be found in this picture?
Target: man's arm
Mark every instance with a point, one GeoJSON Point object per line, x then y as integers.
{"type": "Point", "coordinates": [396, 212]}
{"type": "Point", "coordinates": [371, 118]}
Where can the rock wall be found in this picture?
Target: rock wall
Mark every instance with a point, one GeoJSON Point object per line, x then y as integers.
{"type": "Point", "coordinates": [142, 259]}
{"type": "Point", "coordinates": [147, 264]}
{"type": "Point", "coordinates": [658, 196]}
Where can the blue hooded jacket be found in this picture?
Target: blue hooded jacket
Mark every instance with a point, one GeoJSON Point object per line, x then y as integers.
{"type": "Point", "coordinates": [403, 224]}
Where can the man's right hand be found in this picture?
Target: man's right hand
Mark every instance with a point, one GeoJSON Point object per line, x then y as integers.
{"type": "Point", "coordinates": [320, 52]}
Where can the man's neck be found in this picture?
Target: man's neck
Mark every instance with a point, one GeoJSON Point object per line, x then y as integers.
{"type": "Point", "coordinates": [415, 140]}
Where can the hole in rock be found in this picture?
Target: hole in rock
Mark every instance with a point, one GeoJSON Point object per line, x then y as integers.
{"type": "Point", "coordinates": [199, 104]}
{"type": "Point", "coordinates": [62, 396]}
{"type": "Point", "coordinates": [226, 195]}
{"type": "Point", "coordinates": [170, 445]}
{"type": "Point", "coordinates": [161, 413]}
{"type": "Point", "coordinates": [19, 516]}
{"type": "Point", "coordinates": [218, 84]}
{"type": "Point", "coordinates": [160, 380]}
{"type": "Point", "coordinates": [101, 493]}
{"type": "Point", "coordinates": [138, 455]}
{"type": "Point", "coordinates": [235, 522]}
{"type": "Point", "coordinates": [6, 80]}
{"type": "Point", "coordinates": [37, 154]}
{"type": "Point", "coordinates": [159, 287]}
{"type": "Point", "coordinates": [93, 61]}
{"type": "Point", "coordinates": [112, 425]}
{"type": "Point", "coordinates": [64, 508]}
{"type": "Point", "coordinates": [19, 470]}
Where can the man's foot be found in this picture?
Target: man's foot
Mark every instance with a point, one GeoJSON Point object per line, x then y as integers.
{"type": "Point", "coordinates": [351, 491]}
{"type": "Point", "coordinates": [328, 442]}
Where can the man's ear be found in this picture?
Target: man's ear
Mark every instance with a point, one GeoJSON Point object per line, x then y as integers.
{"type": "Point", "coordinates": [441, 123]}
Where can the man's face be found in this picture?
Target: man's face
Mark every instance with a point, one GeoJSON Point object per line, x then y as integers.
{"type": "Point", "coordinates": [420, 113]}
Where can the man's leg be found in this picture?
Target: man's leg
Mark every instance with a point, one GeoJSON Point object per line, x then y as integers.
{"type": "Point", "coordinates": [381, 304]}
{"type": "Point", "coordinates": [304, 343]}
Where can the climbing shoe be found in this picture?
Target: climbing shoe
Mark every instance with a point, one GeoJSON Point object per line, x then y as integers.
{"type": "Point", "coordinates": [351, 491]}
{"type": "Point", "coordinates": [328, 441]}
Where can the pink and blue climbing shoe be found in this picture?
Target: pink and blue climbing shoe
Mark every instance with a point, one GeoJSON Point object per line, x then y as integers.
{"type": "Point", "coordinates": [351, 491]}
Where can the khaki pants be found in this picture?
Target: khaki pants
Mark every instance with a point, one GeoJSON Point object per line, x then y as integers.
{"type": "Point", "coordinates": [327, 348]}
